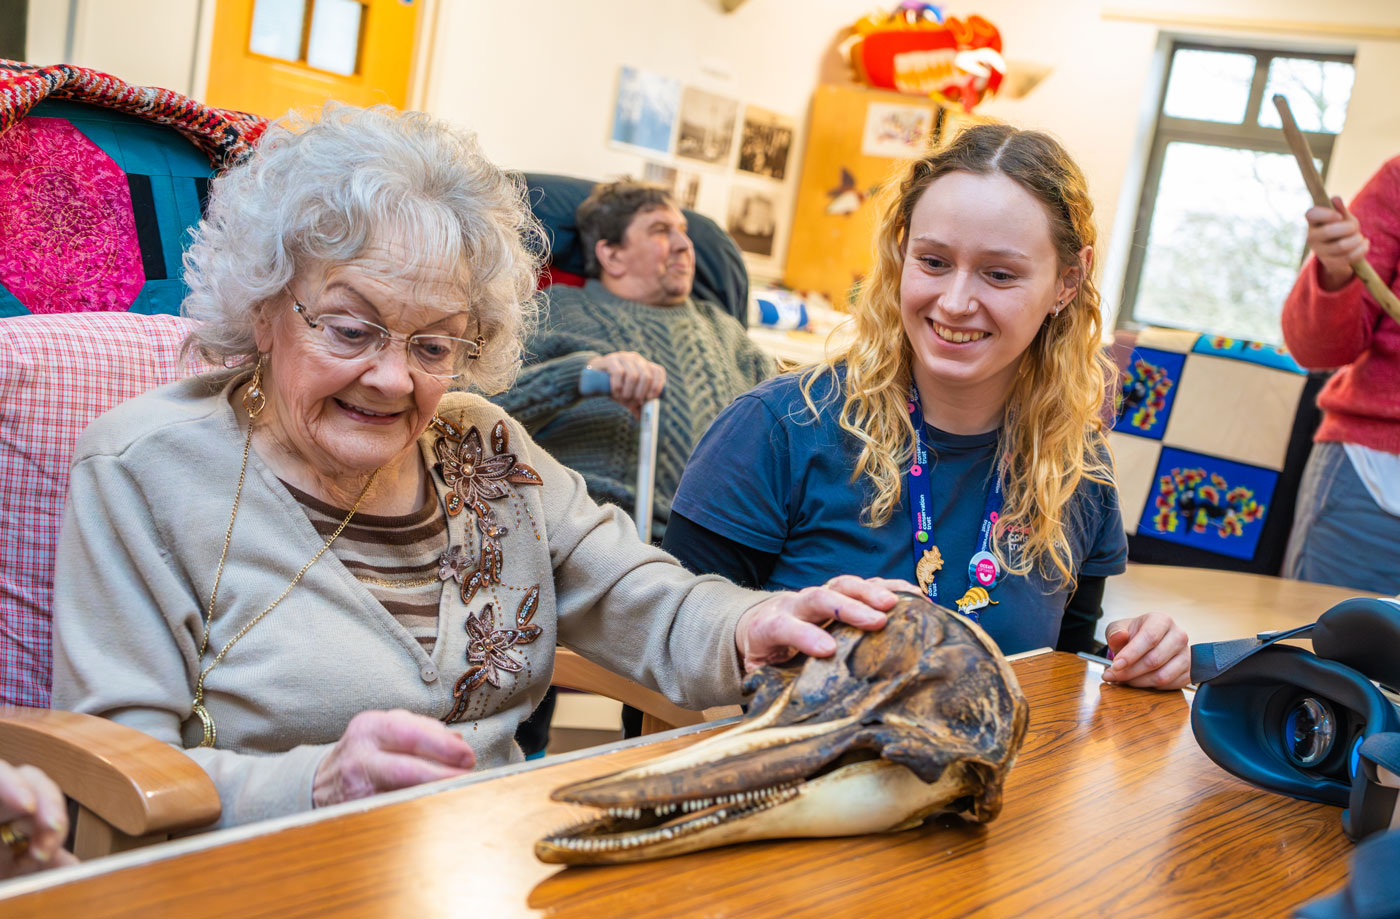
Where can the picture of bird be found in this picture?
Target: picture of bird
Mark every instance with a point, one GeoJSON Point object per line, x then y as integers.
{"type": "Point", "coordinates": [845, 198]}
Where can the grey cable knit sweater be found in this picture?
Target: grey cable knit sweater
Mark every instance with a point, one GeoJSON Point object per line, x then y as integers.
{"type": "Point", "coordinates": [709, 360]}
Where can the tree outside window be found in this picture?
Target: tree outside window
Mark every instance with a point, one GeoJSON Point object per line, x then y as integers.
{"type": "Point", "coordinates": [1220, 233]}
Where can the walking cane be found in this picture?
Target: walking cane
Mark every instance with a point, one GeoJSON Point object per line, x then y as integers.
{"type": "Point", "coordinates": [1301, 152]}
{"type": "Point", "coordinates": [592, 382]}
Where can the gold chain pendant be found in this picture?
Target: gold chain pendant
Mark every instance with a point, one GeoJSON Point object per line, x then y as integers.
{"type": "Point", "coordinates": [253, 401]}
{"type": "Point", "coordinates": [206, 719]}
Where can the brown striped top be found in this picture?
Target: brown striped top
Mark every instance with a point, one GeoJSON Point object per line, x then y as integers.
{"type": "Point", "coordinates": [397, 558]}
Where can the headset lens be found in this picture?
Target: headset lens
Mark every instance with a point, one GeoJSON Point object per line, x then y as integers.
{"type": "Point", "coordinates": [1309, 731]}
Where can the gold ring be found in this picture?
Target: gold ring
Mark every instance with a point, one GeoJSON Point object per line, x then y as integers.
{"type": "Point", "coordinates": [15, 839]}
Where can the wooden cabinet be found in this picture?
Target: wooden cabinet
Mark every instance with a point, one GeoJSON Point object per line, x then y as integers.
{"type": "Point", "coordinates": [854, 135]}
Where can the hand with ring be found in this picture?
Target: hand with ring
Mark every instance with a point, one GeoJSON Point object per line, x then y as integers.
{"type": "Point", "coordinates": [33, 822]}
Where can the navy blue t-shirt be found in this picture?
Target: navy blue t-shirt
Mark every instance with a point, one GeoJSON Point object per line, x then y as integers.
{"type": "Point", "coordinates": [769, 476]}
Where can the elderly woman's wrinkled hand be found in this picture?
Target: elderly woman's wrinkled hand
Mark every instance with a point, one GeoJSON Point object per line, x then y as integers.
{"type": "Point", "coordinates": [383, 751]}
{"type": "Point", "coordinates": [791, 623]}
{"type": "Point", "coordinates": [1150, 651]}
{"type": "Point", "coordinates": [34, 819]}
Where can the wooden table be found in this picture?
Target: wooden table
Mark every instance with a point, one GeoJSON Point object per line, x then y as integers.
{"type": "Point", "coordinates": [1219, 605]}
{"type": "Point", "coordinates": [1112, 811]}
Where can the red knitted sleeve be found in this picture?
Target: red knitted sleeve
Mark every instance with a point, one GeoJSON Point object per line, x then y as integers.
{"type": "Point", "coordinates": [1326, 329]}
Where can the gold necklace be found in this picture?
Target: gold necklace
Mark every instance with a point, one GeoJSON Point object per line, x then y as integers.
{"type": "Point", "coordinates": [253, 401]}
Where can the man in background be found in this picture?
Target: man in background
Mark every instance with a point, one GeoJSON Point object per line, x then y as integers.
{"type": "Point", "coordinates": [634, 319]}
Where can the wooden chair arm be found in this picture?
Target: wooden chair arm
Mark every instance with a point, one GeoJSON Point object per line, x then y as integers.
{"type": "Point", "coordinates": [574, 672]}
{"type": "Point", "coordinates": [129, 779]}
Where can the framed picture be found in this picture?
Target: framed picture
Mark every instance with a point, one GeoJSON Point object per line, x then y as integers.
{"type": "Point", "coordinates": [683, 184]}
{"type": "Point", "coordinates": [753, 219]}
{"type": "Point", "coordinates": [896, 131]}
{"type": "Point", "coordinates": [645, 113]}
{"type": "Point", "coordinates": [765, 142]}
{"type": "Point", "coordinates": [706, 126]}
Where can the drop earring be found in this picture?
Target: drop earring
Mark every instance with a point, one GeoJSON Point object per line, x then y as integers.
{"type": "Point", "coordinates": [255, 399]}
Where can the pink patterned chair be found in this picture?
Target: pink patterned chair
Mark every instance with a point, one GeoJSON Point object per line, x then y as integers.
{"type": "Point", "coordinates": [57, 373]}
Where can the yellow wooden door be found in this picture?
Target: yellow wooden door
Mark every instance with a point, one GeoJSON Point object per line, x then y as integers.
{"type": "Point", "coordinates": [857, 139]}
{"type": "Point", "coordinates": [269, 56]}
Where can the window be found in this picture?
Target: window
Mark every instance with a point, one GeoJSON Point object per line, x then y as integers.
{"type": "Point", "coordinates": [324, 34]}
{"type": "Point", "coordinates": [1220, 232]}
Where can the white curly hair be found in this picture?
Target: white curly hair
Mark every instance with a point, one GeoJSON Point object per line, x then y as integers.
{"type": "Point", "coordinates": [327, 189]}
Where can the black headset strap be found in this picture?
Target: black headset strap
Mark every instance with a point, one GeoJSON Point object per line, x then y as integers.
{"type": "Point", "coordinates": [1210, 659]}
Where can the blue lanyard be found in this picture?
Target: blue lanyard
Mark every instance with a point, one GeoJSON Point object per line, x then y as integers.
{"type": "Point", "coordinates": [983, 569]}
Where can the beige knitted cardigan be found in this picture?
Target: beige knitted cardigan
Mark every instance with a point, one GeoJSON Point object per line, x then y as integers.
{"type": "Point", "coordinates": [152, 484]}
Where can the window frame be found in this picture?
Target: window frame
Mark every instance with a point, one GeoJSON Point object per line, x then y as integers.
{"type": "Point", "coordinates": [1248, 134]}
{"type": "Point", "coordinates": [308, 16]}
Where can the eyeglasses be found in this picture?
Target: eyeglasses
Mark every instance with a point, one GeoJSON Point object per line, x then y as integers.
{"type": "Point", "coordinates": [350, 339]}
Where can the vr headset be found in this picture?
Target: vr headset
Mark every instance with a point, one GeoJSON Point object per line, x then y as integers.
{"type": "Point", "coordinates": [1310, 725]}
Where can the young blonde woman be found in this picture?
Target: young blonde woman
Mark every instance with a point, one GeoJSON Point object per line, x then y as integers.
{"type": "Point", "coordinates": [956, 441]}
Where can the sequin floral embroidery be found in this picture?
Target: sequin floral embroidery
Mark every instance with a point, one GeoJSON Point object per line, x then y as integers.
{"type": "Point", "coordinates": [453, 564]}
{"type": "Point", "coordinates": [488, 650]}
{"type": "Point", "coordinates": [474, 478]}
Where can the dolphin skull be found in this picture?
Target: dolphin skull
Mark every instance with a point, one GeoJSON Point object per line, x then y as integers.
{"type": "Point", "coordinates": [920, 718]}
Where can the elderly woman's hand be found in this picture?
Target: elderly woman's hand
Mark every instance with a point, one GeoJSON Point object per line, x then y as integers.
{"type": "Point", "coordinates": [1150, 651]}
{"type": "Point", "coordinates": [790, 623]}
{"type": "Point", "coordinates": [382, 751]}
{"type": "Point", "coordinates": [34, 814]}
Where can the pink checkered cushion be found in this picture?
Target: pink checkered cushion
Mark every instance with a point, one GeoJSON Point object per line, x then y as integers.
{"type": "Point", "coordinates": [57, 373]}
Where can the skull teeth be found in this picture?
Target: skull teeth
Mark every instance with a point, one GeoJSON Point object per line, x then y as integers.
{"type": "Point", "coordinates": [739, 803]}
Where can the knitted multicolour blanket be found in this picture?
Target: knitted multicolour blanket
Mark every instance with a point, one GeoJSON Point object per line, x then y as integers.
{"type": "Point", "coordinates": [225, 136]}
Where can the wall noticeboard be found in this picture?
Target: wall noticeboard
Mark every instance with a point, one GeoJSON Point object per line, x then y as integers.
{"type": "Point", "coordinates": [856, 140]}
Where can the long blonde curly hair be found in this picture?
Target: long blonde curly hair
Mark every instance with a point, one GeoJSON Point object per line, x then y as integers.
{"type": "Point", "coordinates": [1052, 434]}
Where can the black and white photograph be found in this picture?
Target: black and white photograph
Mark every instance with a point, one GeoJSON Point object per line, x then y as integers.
{"type": "Point", "coordinates": [646, 110]}
{"type": "Point", "coordinates": [765, 143]}
{"type": "Point", "coordinates": [707, 126]}
{"type": "Point", "coordinates": [753, 219]}
{"type": "Point", "coordinates": [683, 184]}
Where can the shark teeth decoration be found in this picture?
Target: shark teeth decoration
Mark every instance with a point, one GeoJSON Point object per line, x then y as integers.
{"type": "Point", "coordinates": [921, 718]}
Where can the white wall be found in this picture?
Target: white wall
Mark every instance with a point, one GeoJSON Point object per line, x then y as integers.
{"type": "Point", "coordinates": [146, 42]}
{"type": "Point", "coordinates": [539, 88]}
{"type": "Point", "coordinates": [537, 80]}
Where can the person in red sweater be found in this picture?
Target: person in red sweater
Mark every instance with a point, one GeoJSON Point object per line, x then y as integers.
{"type": "Point", "coordinates": [1347, 528]}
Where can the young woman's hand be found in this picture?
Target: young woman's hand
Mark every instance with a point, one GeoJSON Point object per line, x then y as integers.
{"type": "Point", "coordinates": [790, 623]}
{"type": "Point", "coordinates": [1150, 651]}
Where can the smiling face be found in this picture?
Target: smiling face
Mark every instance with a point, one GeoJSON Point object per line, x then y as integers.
{"type": "Point", "coordinates": [655, 263]}
{"type": "Point", "coordinates": [980, 276]}
{"type": "Point", "coordinates": [329, 421]}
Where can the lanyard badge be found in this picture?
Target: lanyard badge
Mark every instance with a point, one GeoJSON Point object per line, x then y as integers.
{"type": "Point", "coordinates": [984, 572]}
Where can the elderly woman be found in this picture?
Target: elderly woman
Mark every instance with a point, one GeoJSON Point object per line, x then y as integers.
{"type": "Point", "coordinates": [319, 571]}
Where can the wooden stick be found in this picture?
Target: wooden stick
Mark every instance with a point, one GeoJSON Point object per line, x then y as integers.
{"type": "Point", "coordinates": [1299, 145]}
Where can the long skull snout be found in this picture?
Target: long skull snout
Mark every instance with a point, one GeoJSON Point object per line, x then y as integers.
{"type": "Point", "coordinates": [921, 718]}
